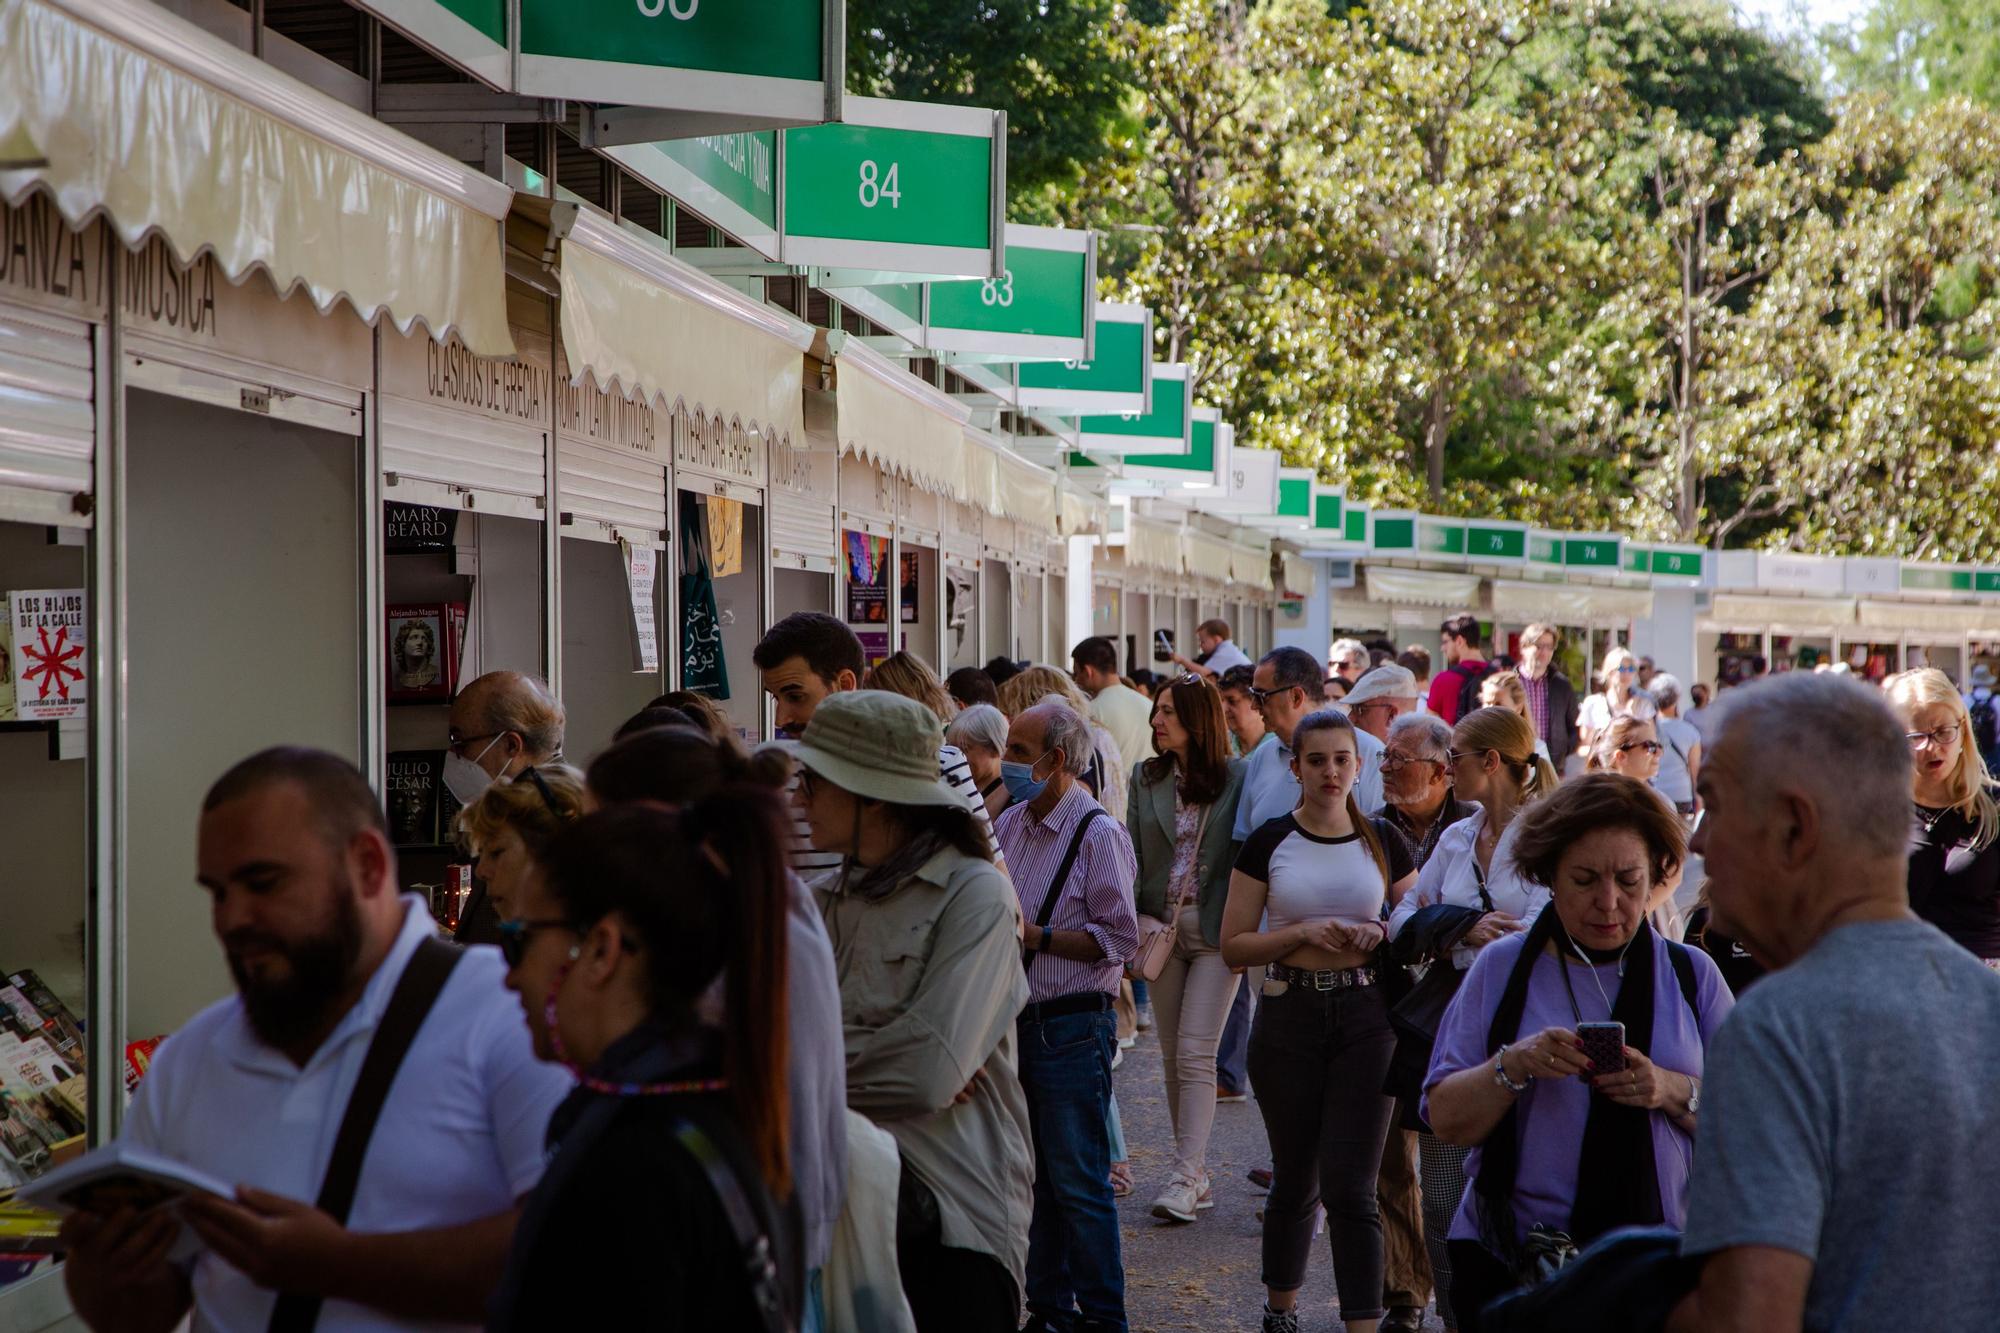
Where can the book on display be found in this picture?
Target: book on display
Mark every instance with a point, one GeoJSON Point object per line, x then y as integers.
{"type": "Point", "coordinates": [120, 1175]}
{"type": "Point", "coordinates": [422, 810]}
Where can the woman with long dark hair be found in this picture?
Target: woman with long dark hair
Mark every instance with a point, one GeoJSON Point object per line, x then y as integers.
{"type": "Point", "coordinates": [1306, 901]}
{"type": "Point", "coordinates": [1182, 810]}
{"type": "Point", "coordinates": [670, 1186]}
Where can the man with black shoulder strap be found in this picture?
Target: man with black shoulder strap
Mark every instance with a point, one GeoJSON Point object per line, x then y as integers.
{"type": "Point", "coordinates": [1074, 869]}
{"type": "Point", "coordinates": [369, 1088]}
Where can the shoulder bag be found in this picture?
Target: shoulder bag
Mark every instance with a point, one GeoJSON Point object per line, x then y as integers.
{"type": "Point", "coordinates": [1060, 881]}
{"type": "Point", "coordinates": [1156, 937]}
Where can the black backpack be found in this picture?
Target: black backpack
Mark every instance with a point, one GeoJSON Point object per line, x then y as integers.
{"type": "Point", "coordinates": [1469, 681]}
{"type": "Point", "coordinates": [1985, 732]}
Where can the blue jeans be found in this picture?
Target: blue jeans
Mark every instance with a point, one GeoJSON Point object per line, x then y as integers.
{"type": "Point", "coordinates": [1232, 1057]}
{"type": "Point", "coordinates": [1076, 1274]}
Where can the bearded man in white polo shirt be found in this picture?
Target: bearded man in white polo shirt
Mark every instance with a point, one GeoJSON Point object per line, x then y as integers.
{"type": "Point", "coordinates": [295, 856]}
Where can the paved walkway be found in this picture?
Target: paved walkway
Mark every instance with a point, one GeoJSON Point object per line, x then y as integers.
{"type": "Point", "coordinates": [1201, 1278]}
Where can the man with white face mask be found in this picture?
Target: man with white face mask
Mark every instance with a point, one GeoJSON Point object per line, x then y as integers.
{"type": "Point", "coordinates": [502, 724]}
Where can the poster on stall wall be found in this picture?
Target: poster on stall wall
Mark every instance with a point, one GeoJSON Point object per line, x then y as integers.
{"type": "Point", "coordinates": [703, 669]}
{"type": "Point", "coordinates": [6, 663]}
{"type": "Point", "coordinates": [49, 653]}
{"type": "Point", "coordinates": [911, 566]}
{"type": "Point", "coordinates": [642, 573]}
{"type": "Point", "coordinates": [875, 645]}
{"type": "Point", "coordinates": [867, 579]}
{"type": "Point", "coordinates": [725, 536]}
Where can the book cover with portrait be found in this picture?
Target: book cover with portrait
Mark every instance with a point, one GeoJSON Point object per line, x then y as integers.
{"type": "Point", "coordinates": [416, 784]}
{"type": "Point", "coordinates": [417, 639]}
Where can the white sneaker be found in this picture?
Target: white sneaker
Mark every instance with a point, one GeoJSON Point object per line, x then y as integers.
{"type": "Point", "coordinates": [1206, 1199]}
{"type": "Point", "coordinates": [1145, 1016]}
{"type": "Point", "coordinates": [1127, 1043]}
{"type": "Point", "coordinates": [1179, 1200]}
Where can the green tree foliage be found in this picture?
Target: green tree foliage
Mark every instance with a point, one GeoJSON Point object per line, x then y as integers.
{"type": "Point", "coordinates": [1917, 51]}
{"type": "Point", "coordinates": [1050, 66]}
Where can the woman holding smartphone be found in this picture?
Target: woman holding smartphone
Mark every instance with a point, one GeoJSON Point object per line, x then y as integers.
{"type": "Point", "coordinates": [1493, 764]}
{"type": "Point", "coordinates": [1575, 1125]}
{"type": "Point", "coordinates": [1306, 901]}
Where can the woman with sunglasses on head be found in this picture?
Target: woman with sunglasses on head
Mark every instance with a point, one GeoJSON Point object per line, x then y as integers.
{"type": "Point", "coordinates": [1306, 901]}
{"type": "Point", "coordinates": [1181, 814]}
{"type": "Point", "coordinates": [1480, 896]}
{"type": "Point", "coordinates": [507, 830]}
{"type": "Point", "coordinates": [1955, 857]}
{"type": "Point", "coordinates": [669, 1187]}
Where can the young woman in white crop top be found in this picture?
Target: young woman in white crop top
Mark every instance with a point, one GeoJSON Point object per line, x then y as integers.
{"type": "Point", "coordinates": [1307, 898]}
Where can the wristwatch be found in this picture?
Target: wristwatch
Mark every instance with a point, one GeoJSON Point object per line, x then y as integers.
{"type": "Point", "coordinates": [1500, 1073]}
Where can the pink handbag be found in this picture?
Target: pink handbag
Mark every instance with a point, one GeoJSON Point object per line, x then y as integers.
{"type": "Point", "coordinates": [1156, 937]}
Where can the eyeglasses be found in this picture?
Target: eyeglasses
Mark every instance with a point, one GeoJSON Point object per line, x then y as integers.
{"type": "Point", "coordinates": [516, 934]}
{"type": "Point", "coordinates": [457, 744]}
{"type": "Point", "coordinates": [1650, 747]}
{"type": "Point", "coordinates": [1628, 671]}
{"type": "Point", "coordinates": [1262, 697]}
{"type": "Point", "coordinates": [1940, 739]}
{"type": "Point", "coordinates": [1393, 759]}
{"type": "Point", "coordinates": [541, 785]}
{"type": "Point", "coordinates": [1451, 757]}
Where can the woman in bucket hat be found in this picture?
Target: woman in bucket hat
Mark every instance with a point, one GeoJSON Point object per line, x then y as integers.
{"type": "Point", "coordinates": [925, 932]}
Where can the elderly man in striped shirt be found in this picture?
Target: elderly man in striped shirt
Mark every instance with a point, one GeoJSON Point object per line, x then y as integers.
{"type": "Point", "coordinates": [1073, 867]}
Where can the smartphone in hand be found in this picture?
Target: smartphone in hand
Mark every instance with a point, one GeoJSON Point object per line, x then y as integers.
{"type": "Point", "coordinates": [1603, 1045]}
{"type": "Point", "coordinates": [1163, 645]}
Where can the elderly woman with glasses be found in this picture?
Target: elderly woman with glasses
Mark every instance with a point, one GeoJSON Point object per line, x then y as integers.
{"type": "Point", "coordinates": [1955, 857]}
{"type": "Point", "coordinates": [1468, 895]}
{"type": "Point", "coordinates": [507, 831]}
{"type": "Point", "coordinates": [1570, 1061]}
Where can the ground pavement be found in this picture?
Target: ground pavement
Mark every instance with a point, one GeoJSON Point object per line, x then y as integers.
{"type": "Point", "coordinates": [1203, 1276]}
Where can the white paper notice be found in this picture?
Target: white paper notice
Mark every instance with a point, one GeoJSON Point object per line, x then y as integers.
{"type": "Point", "coordinates": [642, 571]}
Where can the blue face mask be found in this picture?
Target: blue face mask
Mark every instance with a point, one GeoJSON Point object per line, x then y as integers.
{"type": "Point", "coordinates": [1021, 782]}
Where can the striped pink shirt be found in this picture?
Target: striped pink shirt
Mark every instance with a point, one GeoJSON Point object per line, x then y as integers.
{"type": "Point", "coordinates": [1097, 897]}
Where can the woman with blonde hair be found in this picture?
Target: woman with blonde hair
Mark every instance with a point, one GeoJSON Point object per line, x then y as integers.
{"type": "Point", "coordinates": [1492, 761]}
{"type": "Point", "coordinates": [508, 829]}
{"type": "Point", "coordinates": [904, 674]}
{"type": "Point", "coordinates": [1617, 692]}
{"type": "Point", "coordinates": [1106, 777]}
{"type": "Point", "coordinates": [1503, 689]}
{"type": "Point", "coordinates": [1629, 745]}
{"type": "Point", "coordinates": [1955, 857]}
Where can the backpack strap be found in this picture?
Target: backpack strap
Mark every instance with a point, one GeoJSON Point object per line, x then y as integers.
{"type": "Point", "coordinates": [409, 1005]}
{"type": "Point", "coordinates": [1684, 971]}
{"type": "Point", "coordinates": [753, 1245]}
{"type": "Point", "coordinates": [1061, 879]}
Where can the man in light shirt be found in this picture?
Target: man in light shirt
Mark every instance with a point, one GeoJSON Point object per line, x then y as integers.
{"type": "Point", "coordinates": [295, 857]}
{"type": "Point", "coordinates": [1125, 713]}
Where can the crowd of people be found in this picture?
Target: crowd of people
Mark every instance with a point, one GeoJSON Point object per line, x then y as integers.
{"type": "Point", "coordinates": [823, 1035]}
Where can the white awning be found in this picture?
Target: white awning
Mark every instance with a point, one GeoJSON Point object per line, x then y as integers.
{"type": "Point", "coordinates": [1250, 565]}
{"type": "Point", "coordinates": [1563, 603]}
{"type": "Point", "coordinates": [1005, 485]}
{"type": "Point", "coordinates": [893, 419]}
{"type": "Point", "coordinates": [1929, 617]}
{"type": "Point", "coordinates": [1739, 611]}
{"type": "Point", "coordinates": [643, 322]}
{"type": "Point", "coordinates": [1422, 587]}
{"type": "Point", "coordinates": [124, 110]}
{"type": "Point", "coordinates": [1081, 512]}
{"type": "Point", "coordinates": [1298, 576]}
{"type": "Point", "coordinates": [1153, 545]}
{"type": "Point", "coordinates": [1209, 557]}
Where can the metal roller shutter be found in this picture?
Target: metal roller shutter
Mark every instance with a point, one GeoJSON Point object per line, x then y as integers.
{"type": "Point", "coordinates": [498, 463]}
{"type": "Point", "coordinates": [612, 495]}
{"type": "Point", "coordinates": [48, 419]}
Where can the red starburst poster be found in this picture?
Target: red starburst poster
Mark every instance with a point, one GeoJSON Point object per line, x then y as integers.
{"type": "Point", "coordinates": [51, 653]}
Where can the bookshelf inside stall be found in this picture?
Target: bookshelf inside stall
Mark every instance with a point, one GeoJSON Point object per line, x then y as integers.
{"type": "Point", "coordinates": [462, 596]}
{"type": "Point", "coordinates": [44, 790]}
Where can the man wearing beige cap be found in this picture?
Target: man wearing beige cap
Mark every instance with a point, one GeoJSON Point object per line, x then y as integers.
{"type": "Point", "coordinates": [1380, 697]}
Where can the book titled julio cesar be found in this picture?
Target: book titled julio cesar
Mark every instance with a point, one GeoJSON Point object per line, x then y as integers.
{"type": "Point", "coordinates": [422, 810]}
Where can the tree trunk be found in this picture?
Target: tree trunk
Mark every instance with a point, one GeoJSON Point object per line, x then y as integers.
{"type": "Point", "coordinates": [1437, 417]}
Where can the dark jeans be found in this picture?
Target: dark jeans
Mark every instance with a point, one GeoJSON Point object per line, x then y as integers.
{"type": "Point", "coordinates": [1076, 1275]}
{"type": "Point", "coordinates": [948, 1289]}
{"type": "Point", "coordinates": [1477, 1279]}
{"type": "Point", "coordinates": [1317, 1060]}
{"type": "Point", "coordinates": [1231, 1055]}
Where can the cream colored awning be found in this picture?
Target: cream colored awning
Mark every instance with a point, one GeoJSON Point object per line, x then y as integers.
{"type": "Point", "coordinates": [149, 120]}
{"type": "Point", "coordinates": [1563, 603]}
{"type": "Point", "coordinates": [1081, 512]}
{"type": "Point", "coordinates": [1740, 611]}
{"type": "Point", "coordinates": [1153, 545]}
{"type": "Point", "coordinates": [643, 322]}
{"type": "Point", "coordinates": [891, 418]}
{"type": "Point", "coordinates": [1209, 557]}
{"type": "Point", "coordinates": [1006, 485]}
{"type": "Point", "coordinates": [1250, 565]}
{"type": "Point", "coordinates": [1422, 587]}
{"type": "Point", "coordinates": [1929, 617]}
{"type": "Point", "coordinates": [1298, 576]}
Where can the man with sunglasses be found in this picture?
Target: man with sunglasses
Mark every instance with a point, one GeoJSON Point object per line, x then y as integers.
{"type": "Point", "coordinates": [294, 855]}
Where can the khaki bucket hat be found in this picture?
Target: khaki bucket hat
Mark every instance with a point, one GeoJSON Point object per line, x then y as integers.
{"type": "Point", "coordinates": [878, 745]}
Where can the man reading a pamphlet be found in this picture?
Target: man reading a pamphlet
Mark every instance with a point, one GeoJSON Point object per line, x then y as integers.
{"type": "Point", "coordinates": [364, 1199]}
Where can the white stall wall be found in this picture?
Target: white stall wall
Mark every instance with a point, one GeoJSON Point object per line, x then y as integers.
{"type": "Point", "coordinates": [228, 654]}
{"type": "Point", "coordinates": [600, 689]}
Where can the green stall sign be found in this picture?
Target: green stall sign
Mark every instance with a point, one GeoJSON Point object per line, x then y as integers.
{"type": "Point", "coordinates": [1937, 578]}
{"type": "Point", "coordinates": [900, 189]}
{"type": "Point", "coordinates": [1200, 468]}
{"type": "Point", "coordinates": [1597, 551]}
{"type": "Point", "coordinates": [730, 179]}
{"type": "Point", "coordinates": [1355, 518]}
{"type": "Point", "coordinates": [1327, 515]}
{"type": "Point", "coordinates": [1672, 562]}
{"type": "Point", "coordinates": [1441, 538]}
{"type": "Point", "coordinates": [672, 69]}
{"type": "Point", "coordinates": [1166, 429]}
{"type": "Point", "coordinates": [1395, 532]}
{"type": "Point", "coordinates": [1116, 377]}
{"type": "Point", "coordinates": [1041, 308]}
{"type": "Point", "coordinates": [1986, 580]}
{"type": "Point", "coordinates": [1545, 549]}
{"type": "Point", "coordinates": [1492, 540]}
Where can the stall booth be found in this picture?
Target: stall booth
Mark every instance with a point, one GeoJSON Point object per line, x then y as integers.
{"type": "Point", "coordinates": [805, 515]}
{"type": "Point", "coordinates": [998, 608]}
{"type": "Point", "coordinates": [964, 586]}
{"type": "Point", "coordinates": [1055, 603]}
{"type": "Point", "coordinates": [194, 407]}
